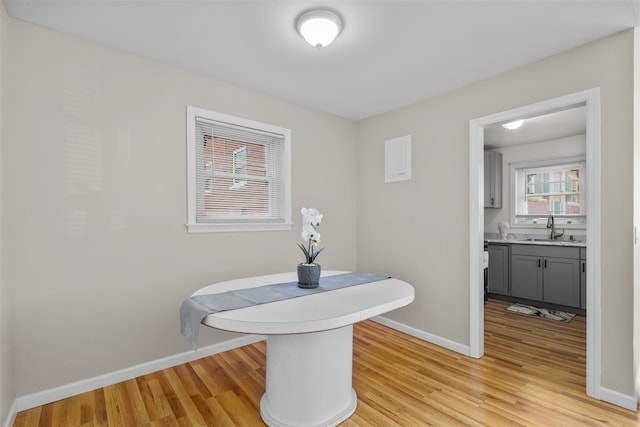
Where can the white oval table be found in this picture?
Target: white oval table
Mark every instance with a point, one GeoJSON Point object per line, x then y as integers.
{"type": "Point", "coordinates": [309, 344]}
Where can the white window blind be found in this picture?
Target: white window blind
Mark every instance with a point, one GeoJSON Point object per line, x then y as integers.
{"type": "Point", "coordinates": [239, 173]}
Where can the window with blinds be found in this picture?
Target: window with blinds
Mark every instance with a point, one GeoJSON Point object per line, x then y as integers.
{"type": "Point", "coordinates": [239, 174]}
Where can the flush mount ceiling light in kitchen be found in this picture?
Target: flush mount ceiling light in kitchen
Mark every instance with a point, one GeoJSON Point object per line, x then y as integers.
{"type": "Point", "coordinates": [513, 125]}
{"type": "Point", "coordinates": [319, 27]}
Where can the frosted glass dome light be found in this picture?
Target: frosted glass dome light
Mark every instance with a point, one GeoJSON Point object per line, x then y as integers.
{"type": "Point", "coordinates": [319, 27]}
{"type": "Point", "coordinates": [513, 125]}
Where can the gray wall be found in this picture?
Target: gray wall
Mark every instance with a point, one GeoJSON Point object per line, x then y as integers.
{"type": "Point", "coordinates": [7, 392]}
{"type": "Point", "coordinates": [423, 223]}
{"type": "Point", "coordinates": [95, 190]}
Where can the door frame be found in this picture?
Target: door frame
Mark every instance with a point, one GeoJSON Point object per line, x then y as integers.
{"type": "Point", "coordinates": [591, 100]}
{"type": "Point", "coordinates": [636, 209]}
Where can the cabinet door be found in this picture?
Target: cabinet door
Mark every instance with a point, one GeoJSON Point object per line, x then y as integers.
{"type": "Point", "coordinates": [498, 282]}
{"type": "Point", "coordinates": [487, 181]}
{"type": "Point", "coordinates": [492, 179]}
{"type": "Point", "coordinates": [526, 277]}
{"type": "Point", "coordinates": [562, 281]}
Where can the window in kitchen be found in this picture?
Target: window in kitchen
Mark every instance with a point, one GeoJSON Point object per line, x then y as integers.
{"type": "Point", "coordinates": [548, 188]}
{"type": "Point", "coordinates": [238, 174]}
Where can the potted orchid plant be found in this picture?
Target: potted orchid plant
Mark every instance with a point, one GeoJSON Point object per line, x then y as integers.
{"type": "Point", "coordinates": [309, 271]}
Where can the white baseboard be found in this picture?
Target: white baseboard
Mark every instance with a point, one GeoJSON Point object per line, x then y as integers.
{"type": "Point", "coordinates": [11, 416]}
{"type": "Point", "coordinates": [83, 386]}
{"type": "Point", "coordinates": [425, 336]}
{"type": "Point", "coordinates": [619, 399]}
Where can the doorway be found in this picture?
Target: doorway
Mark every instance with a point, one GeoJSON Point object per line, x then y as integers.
{"type": "Point", "coordinates": [591, 100]}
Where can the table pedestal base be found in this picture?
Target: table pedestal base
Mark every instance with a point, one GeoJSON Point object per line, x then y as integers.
{"type": "Point", "coordinates": [309, 379]}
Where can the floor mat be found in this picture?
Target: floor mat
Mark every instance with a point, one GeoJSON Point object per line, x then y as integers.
{"type": "Point", "coordinates": [562, 316]}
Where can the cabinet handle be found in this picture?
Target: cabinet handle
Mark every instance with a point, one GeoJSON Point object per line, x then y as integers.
{"type": "Point", "coordinates": [583, 264]}
{"type": "Point", "coordinates": [545, 263]}
{"type": "Point", "coordinates": [539, 263]}
{"type": "Point", "coordinates": [492, 201]}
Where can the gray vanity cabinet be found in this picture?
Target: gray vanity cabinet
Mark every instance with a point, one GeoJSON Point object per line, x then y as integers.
{"type": "Point", "coordinates": [498, 276]}
{"type": "Point", "coordinates": [492, 179]}
{"type": "Point", "coordinates": [546, 273]}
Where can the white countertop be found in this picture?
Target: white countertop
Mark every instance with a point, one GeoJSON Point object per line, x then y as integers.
{"type": "Point", "coordinates": [529, 241]}
{"type": "Point", "coordinates": [311, 313]}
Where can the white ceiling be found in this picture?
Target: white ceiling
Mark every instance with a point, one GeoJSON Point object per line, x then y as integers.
{"type": "Point", "coordinates": [546, 127]}
{"type": "Point", "coordinates": [389, 55]}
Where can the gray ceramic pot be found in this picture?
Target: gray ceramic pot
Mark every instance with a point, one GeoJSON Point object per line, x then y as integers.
{"type": "Point", "coordinates": [308, 275]}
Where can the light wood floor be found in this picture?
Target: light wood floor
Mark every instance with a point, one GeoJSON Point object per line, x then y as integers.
{"type": "Point", "coordinates": [532, 374]}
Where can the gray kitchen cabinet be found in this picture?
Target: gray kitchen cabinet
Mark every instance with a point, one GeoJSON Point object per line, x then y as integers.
{"type": "Point", "coordinates": [498, 275]}
{"type": "Point", "coordinates": [526, 277]}
{"type": "Point", "coordinates": [492, 179]}
{"type": "Point", "coordinates": [562, 281]}
{"type": "Point", "coordinates": [546, 273]}
{"type": "Point", "coordinates": [583, 278]}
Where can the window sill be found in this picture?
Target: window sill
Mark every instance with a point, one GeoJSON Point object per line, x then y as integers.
{"type": "Point", "coordinates": [225, 228]}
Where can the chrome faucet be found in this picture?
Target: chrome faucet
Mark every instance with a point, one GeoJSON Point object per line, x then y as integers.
{"type": "Point", "coordinates": [551, 224]}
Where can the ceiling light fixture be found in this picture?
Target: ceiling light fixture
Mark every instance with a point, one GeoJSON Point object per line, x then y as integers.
{"type": "Point", "coordinates": [513, 125]}
{"type": "Point", "coordinates": [319, 27]}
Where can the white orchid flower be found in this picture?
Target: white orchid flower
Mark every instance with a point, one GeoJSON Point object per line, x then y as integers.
{"type": "Point", "coordinates": [311, 219]}
{"type": "Point", "coordinates": [315, 220]}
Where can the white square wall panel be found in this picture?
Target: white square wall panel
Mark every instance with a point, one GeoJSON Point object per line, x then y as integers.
{"type": "Point", "coordinates": [397, 159]}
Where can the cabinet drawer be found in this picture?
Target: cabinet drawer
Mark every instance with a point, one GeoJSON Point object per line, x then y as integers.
{"type": "Point", "coordinates": [546, 251]}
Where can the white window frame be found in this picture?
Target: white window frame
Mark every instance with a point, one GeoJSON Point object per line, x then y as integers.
{"type": "Point", "coordinates": [193, 226]}
{"type": "Point", "coordinates": [518, 170]}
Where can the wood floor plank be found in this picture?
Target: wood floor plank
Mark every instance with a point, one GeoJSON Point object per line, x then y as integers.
{"type": "Point", "coordinates": [242, 412]}
{"type": "Point", "coordinates": [219, 416]}
{"type": "Point", "coordinates": [30, 418]}
{"type": "Point", "coordinates": [183, 397]}
{"type": "Point", "coordinates": [156, 402]}
{"type": "Point", "coordinates": [532, 374]}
